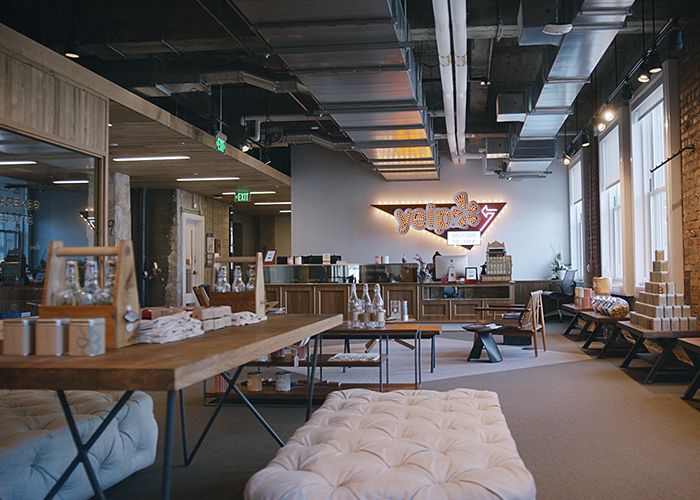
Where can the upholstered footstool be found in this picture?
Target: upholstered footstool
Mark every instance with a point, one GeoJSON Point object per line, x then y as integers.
{"type": "Point", "coordinates": [36, 445]}
{"type": "Point", "coordinates": [399, 445]}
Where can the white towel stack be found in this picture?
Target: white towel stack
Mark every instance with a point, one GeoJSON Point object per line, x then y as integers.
{"type": "Point", "coordinates": [170, 328]}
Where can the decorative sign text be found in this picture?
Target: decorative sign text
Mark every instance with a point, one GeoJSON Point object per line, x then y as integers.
{"type": "Point", "coordinates": [458, 238]}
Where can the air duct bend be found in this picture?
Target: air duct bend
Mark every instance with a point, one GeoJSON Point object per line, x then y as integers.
{"type": "Point", "coordinates": [258, 119]}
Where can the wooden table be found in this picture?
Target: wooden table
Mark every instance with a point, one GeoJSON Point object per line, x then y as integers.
{"type": "Point", "coordinates": [391, 331]}
{"type": "Point", "coordinates": [576, 311]}
{"type": "Point", "coordinates": [600, 321]}
{"type": "Point", "coordinates": [692, 347]}
{"type": "Point", "coordinates": [668, 341]}
{"type": "Point", "coordinates": [161, 367]}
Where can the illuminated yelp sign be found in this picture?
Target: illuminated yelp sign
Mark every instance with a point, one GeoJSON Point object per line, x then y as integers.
{"type": "Point", "coordinates": [464, 214]}
{"type": "Point", "coordinates": [439, 218]}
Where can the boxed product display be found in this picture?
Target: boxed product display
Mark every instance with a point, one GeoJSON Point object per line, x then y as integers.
{"type": "Point", "coordinates": [86, 337]}
{"type": "Point", "coordinates": [51, 336]}
{"type": "Point", "coordinates": [19, 336]}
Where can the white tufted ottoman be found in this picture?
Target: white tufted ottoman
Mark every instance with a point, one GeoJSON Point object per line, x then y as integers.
{"type": "Point", "coordinates": [406, 444]}
{"type": "Point", "coordinates": [36, 445]}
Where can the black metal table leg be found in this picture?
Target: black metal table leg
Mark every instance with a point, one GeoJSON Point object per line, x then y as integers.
{"type": "Point", "coordinates": [257, 415]}
{"type": "Point", "coordinates": [632, 352]}
{"type": "Point", "coordinates": [572, 325]}
{"type": "Point", "coordinates": [432, 354]}
{"type": "Point", "coordinates": [415, 358]}
{"type": "Point", "coordinates": [583, 330]}
{"type": "Point", "coordinates": [610, 341]}
{"type": "Point", "coordinates": [419, 346]}
{"type": "Point", "coordinates": [695, 384]}
{"type": "Point", "coordinates": [314, 361]}
{"type": "Point", "coordinates": [82, 455]}
{"type": "Point", "coordinates": [593, 335]}
{"type": "Point", "coordinates": [166, 484]}
{"type": "Point", "coordinates": [381, 386]}
{"type": "Point", "coordinates": [386, 341]}
{"type": "Point", "coordinates": [666, 354]}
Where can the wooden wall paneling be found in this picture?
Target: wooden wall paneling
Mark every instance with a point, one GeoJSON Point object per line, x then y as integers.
{"type": "Point", "coordinates": [299, 299]}
{"type": "Point", "coordinates": [402, 292]}
{"type": "Point", "coordinates": [488, 316]}
{"type": "Point", "coordinates": [274, 294]}
{"type": "Point", "coordinates": [332, 299]}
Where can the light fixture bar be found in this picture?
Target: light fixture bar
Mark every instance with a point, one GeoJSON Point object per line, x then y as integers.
{"type": "Point", "coordinates": [17, 162]}
{"type": "Point", "coordinates": [285, 211]}
{"type": "Point", "coordinates": [152, 158]}
{"type": "Point", "coordinates": [204, 179]}
{"type": "Point", "coordinates": [73, 181]}
{"type": "Point", "coordinates": [272, 203]}
{"type": "Point", "coordinates": [227, 193]}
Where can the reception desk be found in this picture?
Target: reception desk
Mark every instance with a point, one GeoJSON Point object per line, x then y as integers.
{"type": "Point", "coordinates": [438, 302]}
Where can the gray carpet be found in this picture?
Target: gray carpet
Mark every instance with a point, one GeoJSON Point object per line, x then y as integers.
{"type": "Point", "coordinates": [585, 429]}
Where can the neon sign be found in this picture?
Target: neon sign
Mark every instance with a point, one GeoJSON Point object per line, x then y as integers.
{"type": "Point", "coordinates": [439, 218]}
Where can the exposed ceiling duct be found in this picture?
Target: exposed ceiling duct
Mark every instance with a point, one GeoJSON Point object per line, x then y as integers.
{"type": "Point", "coordinates": [355, 59]}
{"type": "Point", "coordinates": [566, 68]}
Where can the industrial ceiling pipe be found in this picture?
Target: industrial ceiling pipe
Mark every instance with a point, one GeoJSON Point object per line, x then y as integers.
{"type": "Point", "coordinates": [442, 37]}
{"type": "Point", "coordinates": [458, 11]}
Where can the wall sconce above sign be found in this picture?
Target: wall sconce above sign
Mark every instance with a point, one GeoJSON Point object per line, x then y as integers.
{"type": "Point", "coordinates": [464, 214]}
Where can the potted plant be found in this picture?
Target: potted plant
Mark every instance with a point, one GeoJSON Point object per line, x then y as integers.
{"type": "Point", "coordinates": [558, 267]}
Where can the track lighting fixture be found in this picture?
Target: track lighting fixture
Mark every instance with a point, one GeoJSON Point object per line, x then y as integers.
{"type": "Point", "coordinates": [654, 63]}
{"type": "Point", "coordinates": [608, 114]}
{"type": "Point", "coordinates": [566, 159]}
{"type": "Point", "coordinates": [600, 126]}
{"type": "Point", "coordinates": [643, 76]}
{"type": "Point", "coordinates": [585, 140]}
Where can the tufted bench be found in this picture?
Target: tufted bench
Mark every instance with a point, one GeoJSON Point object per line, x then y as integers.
{"type": "Point", "coordinates": [396, 445]}
{"type": "Point", "coordinates": [36, 446]}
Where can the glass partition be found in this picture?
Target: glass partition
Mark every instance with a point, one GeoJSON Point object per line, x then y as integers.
{"type": "Point", "coordinates": [46, 193]}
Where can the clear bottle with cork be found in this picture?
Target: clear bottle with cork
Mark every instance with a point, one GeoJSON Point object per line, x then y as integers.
{"type": "Point", "coordinates": [88, 294]}
{"type": "Point", "coordinates": [237, 285]}
{"type": "Point", "coordinates": [354, 308]}
{"type": "Point", "coordinates": [250, 286]}
{"type": "Point", "coordinates": [378, 309]}
{"type": "Point", "coordinates": [105, 295]}
{"type": "Point", "coordinates": [366, 307]}
{"type": "Point", "coordinates": [68, 295]}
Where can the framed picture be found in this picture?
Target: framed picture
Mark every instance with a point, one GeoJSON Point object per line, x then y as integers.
{"type": "Point", "coordinates": [269, 257]}
{"type": "Point", "coordinates": [210, 243]}
{"type": "Point", "coordinates": [471, 274]}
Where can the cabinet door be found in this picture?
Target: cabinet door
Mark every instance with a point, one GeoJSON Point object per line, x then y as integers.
{"type": "Point", "coordinates": [465, 310]}
{"type": "Point", "coordinates": [490, 316]}
{"type": "Point", "coordinates": [434, 310]}
{"type": "Point", "coordinates": [332, 299]}
{"type": "Point", "coordinates": [408, 293]}
{"type": "Point", "coordinates": [273, 294]}
{"type": "Point", "coordinates": [298, 299]}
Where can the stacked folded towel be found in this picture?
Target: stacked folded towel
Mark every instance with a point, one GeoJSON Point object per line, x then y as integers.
{"type": "Point", "coordinates": [170, 328]}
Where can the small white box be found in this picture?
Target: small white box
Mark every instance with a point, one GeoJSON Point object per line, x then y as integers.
{"type": "Point", "coordinates": [675, 324]}
{"type": "Point", "coordinates": [655, 287]}
{"type": "Point", "coordinates": [666, 324]}
{"type": "Point", "coordinates": [658, 276]}
{"type": "Point", "coordinates": [670, 287]}
{"type": "Point", "coordinates": [659, 255]}
{"type": "Point", "coordinates": [86, 337]}
{"type": "Point", "coordinates": [660, 265]}
{"type": "Point", "coordinates": [52, 336]}
{"type": "Point", "coordinates": [208, 324]}
{"type": "Point", "coordinates": [222, 322]}
{"type": "Point", "coordinates": [19, 336]}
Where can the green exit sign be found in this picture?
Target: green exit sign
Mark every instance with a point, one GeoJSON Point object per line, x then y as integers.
{"type": "Point", "coordinates": [221, 142]}
{"type": "Point", "coordinates": [242, 196]}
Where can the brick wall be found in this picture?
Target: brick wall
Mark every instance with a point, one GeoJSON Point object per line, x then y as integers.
{"type": "Point", "coordinates": [689, 63]}
{"type": "Point", "coordinates": [591, 213]}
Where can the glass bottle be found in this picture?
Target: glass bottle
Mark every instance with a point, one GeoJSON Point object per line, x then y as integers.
{"type": "Point", "coordinates": [68, 296]}
{"type": "Point", "coordinates": [354, 308]}
{"type": "Point", "coordinates": [237, 285]}
{"type": "Point", "coordinates": [105, 295]}
{"type": "Point", "coordinates": [88, 294]}
{"type": "Point", "coordinates": [379, 311]}
{"type": "Point", "coordinates": [250, 286]}
{"type": "Point", "coordinates": [222, 284]}
{"type": "Point", "coordinates": [366, 308]}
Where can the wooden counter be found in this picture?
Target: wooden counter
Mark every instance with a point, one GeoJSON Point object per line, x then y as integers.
{"type": "Point", "coordinates": [426, 302]}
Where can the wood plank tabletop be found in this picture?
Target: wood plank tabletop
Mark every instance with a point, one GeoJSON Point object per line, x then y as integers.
{"type": "Point", "coordinates": [389, 328]}
{"type": "Point", "coordinates": [656, 334]}
{"type": "Point", "coordinates": [162, 367]}
{"type": "Point", "coordinates": [690, 343]}
{"type": "Point", "coordinates": [600, 317]}
{"type": "Point", "coordinates": [574, 308]}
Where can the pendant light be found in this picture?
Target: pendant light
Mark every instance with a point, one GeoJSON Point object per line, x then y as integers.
{"type": "Point", "coordinates": [644, 75]}
{"type": "Point", "coordinates": [556, 28]}
{"type": "Point", "coordinates": [653, 59]}
{"type": "Point", "coordinates": [585, 140]}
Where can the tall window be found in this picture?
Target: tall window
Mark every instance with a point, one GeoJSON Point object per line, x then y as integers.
{"type": "Point", "coordinates": [611, 206]}
{"type": "Point", "coordinates": [576, 217]}
{"type": "Point", "coordinates": [649, 150]}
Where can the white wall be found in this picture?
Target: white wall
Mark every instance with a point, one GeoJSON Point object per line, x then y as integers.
{"type": "Point", "coordinates": [331, 212]}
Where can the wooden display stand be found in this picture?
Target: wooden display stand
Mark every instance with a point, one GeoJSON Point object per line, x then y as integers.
{"type": "Point", "coordinates": [253, 300]}
{"type": "Point", "coordinates": [119, 332]}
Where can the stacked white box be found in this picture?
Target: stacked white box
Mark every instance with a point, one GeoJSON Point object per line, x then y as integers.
{"type": "Point", "coordinates": [659, 307]}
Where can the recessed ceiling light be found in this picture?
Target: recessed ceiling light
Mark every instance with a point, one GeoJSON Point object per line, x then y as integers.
{"type": "Point", "coordinates": [71, 55]}
{"type": "Point", "coordinates": [17, 162]}
{"type": "Point", "coordinates": [285, 211]}
{"type": "Point", "coordinates": [272, 203]}
{"type": "Point", "coordinates": [109, 124]}
{"type": "Point", "coordinates": [557, 28]}
{"type": "Point", "coordinates": [74, 181]}
{"type": "Point", "coordinates": [152, 158]}
{"type": "Point", "coordinates": [204, 179]}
